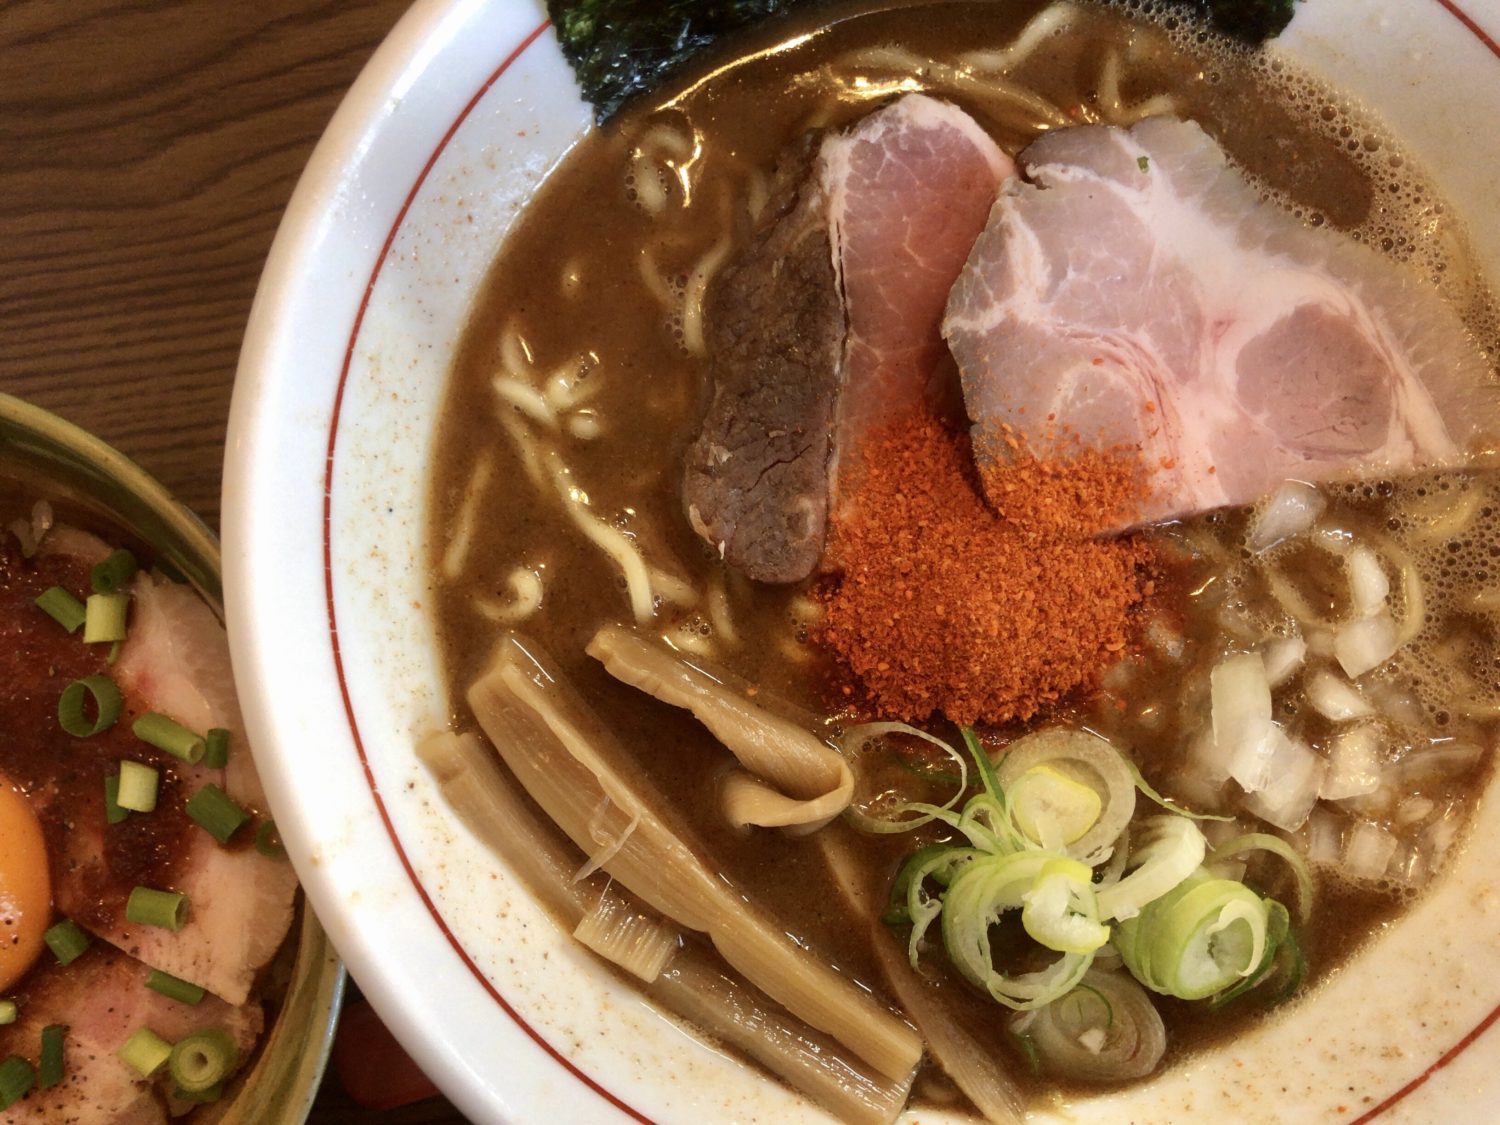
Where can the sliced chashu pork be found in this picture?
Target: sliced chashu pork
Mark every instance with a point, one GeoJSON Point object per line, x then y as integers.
{"type": "Point", "coordinates": [828, 326]}
{"type": "Point", "coordinates": [102, 999]}
{"type": "Point", "coordinates": [1138, 292]}
{"type": "Point", "coordinates": [175, 660]}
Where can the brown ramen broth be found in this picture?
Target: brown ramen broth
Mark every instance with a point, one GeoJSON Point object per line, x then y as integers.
{"type": "Point", "coordinates": [583, 369]}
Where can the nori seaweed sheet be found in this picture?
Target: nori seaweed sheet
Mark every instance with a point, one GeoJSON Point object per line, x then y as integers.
{"type": "Point", "coordinates": [621, 48]}
{"type": "Point", "coordinates": [1252, 21]}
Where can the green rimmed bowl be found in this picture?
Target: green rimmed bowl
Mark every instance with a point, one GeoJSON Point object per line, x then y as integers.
{"type": "Point", "coordinates": [58, 461]}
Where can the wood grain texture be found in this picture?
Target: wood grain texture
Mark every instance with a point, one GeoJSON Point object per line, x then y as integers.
{"type": "Point", "coordinates": [147, 149]}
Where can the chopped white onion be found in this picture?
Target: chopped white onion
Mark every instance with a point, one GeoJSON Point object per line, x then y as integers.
{"type": "Point", "coordinates": [1320, 642]}
{"type": "Point", "coordinates": [1368, 585]}
{"type": "Point", "coordinates": [1325, 836]}
{"type": "Point", "coordinates": [1353, 763]}
{"type": "Point", "coordinates": [1397, 701]}
{"type": "Point", "coordinates": [1244, 736]}
{"type": "Point", "coordinates": [1438, 837]}
{"type": "Point", "coordinates": [1295, 776]}
{"type": "Point", "coordinates": [1335, 699]}
{"type": "Point", "coordinates": [1368, 850]}
{"type": "Point", "coordinates": [1408, 866]}
{"type": "Point", "coordinates": [1365, 644]}
{"type": "Point", "coordinates": [1283, 656]}
{"type": "Point", "coordinates": [1205, 772]}
{"type": "Point", "coordinates": [1291, 510]}
{"type": "Point", "coordinates": [1414, 809]}
{"type": "Point", "coordinates": [1166, 638]}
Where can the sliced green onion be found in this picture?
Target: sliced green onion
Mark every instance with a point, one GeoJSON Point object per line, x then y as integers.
{"type": "Point", "coordinates": [914, 869]}
{"type": "Point", "coordinates": [67, 941]}
{"type": "Point", "coordinates": [268, 841]}
{"type": "Point", "coordinates": [1105, 1030]}
{"type": "Point", "coordinates": [216, 756]}
{"type": "Point", "coordinates": [175, 988]}
{"type": "Point", "coordinates": [1173, 850]}
{"type": "Point", "coordinates": [147, 907]}
{"type": "Point", "coordinates": [202, 1060]}
{"type": "Point", "coordinates": [1070, 791]}
{"type": "Point", "coordinates": [113, 813]}
{"type": "Point", "coordinates": [1060, 910]}
{"type": "Point", "coordinates": [62, 607]}
{"type": "Point", "coordinates": [9, 1010]}
{"type": "Point", "coordinates": [852, 745]}
{"type": "Point", "coordinates": [213, 810]}
{"type": "Point", "coordinates": [114, 652]}
{"type": "Point", "coordinates": [50, 1065]}
{"type": "Point", "coordinates": [16, 1077]}
{"type": "Point", "coordinates": [1265, 842]}
{"type": "Point", "coordinates": [112, 574]}
{"type": "Point", "coordinates": [104, 618]}
{"type": "Point", "coordinates": [980, 893]}
{"type": "Point", "coordinates": [1202, 937]}
{"type": "Point", "coordinates": [145, 1051]}
{"type": "Point", "coordinates": [72, 706]}
{"type": "Point", "coordinates": [1283, 958]}
{"type": "Point", "coordinates": [138, 786]}
{"type": "Point", "coordinates": [171, 736]}
{"type": "Point", "coordinates": [1052, 808]}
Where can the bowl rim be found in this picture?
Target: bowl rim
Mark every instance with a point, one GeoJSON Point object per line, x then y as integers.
{"type": "Point", "coordinates": [365, 107]}
{"type": "Point", "coordinates": [292, 1056]}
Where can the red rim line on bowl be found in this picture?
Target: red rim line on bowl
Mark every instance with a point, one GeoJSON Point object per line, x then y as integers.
{"type": "Point", "coordinates": [338, 658]}
{"type": "Point", "coordinates": [510, 59]}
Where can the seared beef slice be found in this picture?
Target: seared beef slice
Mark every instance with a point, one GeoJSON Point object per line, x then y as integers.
{"type": "Point", "coordinates": [756, 482]}
{"type": "Point", "coordinates": [1139, 292]}
{"type": "Point", "coordinates": [829, 326]}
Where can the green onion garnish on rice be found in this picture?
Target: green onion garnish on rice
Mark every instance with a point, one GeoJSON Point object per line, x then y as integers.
{"type": "Point", "coordinates": [67, 941]}
{"type": "Point", "coordinates": [113, 813]}
{"type": "Point", "coordinates": [16, 1078]}
{"type": "Point", "coordinates": [202, 1060]}
{"type": "Point", "coordinates": [50, 1065]}
{"type": "Point", "coordinates": [104, 618]}
{"type": "Point", "coordinates": [148, 907]}
{"type": "Point", "coordinates": [216, 756]}
{"type": "Point", "coordinates": [170, 736]}
{"type": "Point", "coordinates": [144, 1052]}
{"type": "Point", "coordinates": [62, 607]}
{"type": "Point", "coordinates": [174, 988]}
{"type": "Point", "coordinates": [73, 706]}
{"type": "Point", "coordinates": [138, 786]}
{"type": "Point", "coordinates": [213, 810]}
{"type": "Point", "coordinates": [111, 575]}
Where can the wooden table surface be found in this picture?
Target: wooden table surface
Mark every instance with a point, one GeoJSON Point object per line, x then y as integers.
{"type": "Point", "coordinates": [147, 149]}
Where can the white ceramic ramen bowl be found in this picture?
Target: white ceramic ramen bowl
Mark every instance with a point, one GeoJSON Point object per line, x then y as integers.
{"type": "Point", "coordinates": [403, 206]}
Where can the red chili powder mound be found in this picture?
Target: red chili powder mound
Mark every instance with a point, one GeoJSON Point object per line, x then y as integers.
{"type": "Point", "coordinates": [947, 605]}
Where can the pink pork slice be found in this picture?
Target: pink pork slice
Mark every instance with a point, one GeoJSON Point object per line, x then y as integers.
{"type": "Point", "coordinates": [175, 660]}
{"type": "Point", "coordinates": [102, 999]}
{"type": "Point", "coordinates": [908, 192]}
{"type": "Point", "coordinates": [808, 360]}
{"type": "Point", "coordinates": [1139, 292]}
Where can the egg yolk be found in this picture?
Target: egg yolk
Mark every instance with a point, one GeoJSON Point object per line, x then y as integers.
{"type": "Point", "coordinates": [25, 890]}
